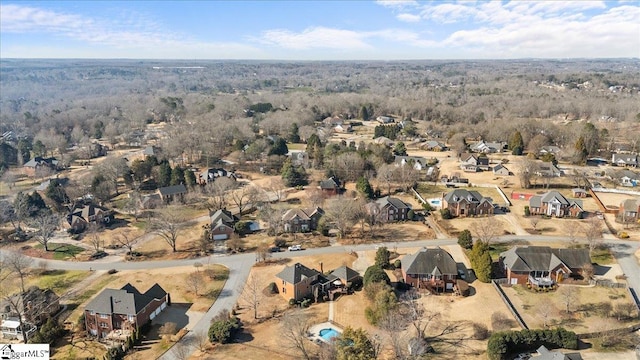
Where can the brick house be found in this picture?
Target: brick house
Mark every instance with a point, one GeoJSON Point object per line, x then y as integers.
{"type": "Point", "coordinates": [461, 202]}
{"type": "Point", "coordinates": [169, 193]}
{"type": "Point", "coordinates": [555, 204]}
{"type": "Point", "coordinates": [431, 269]}
{"type": "Point", "coordinates": [301, 220]}
{"type": "Point", "coordinates": [123, 309]}
{"type": "Point", "coordinates": [391, 209]}
{"type": "Point", "coordinates": [222, 224]}
{"type": "Point", "coordinates": [629, 211]}
{"type": "Point", "coordinates": [473, 162]}
{"type": "Point", "coordinates": [331, 186]}
{"type": "Point", "coordinates": [31, 167]}
{"type": "Point", "coordinates": [295, 282]}
{"type": "Point", "coordinates": [35, 305]}
{"type": "Point", "coordinates": [541, 265]}
{"type": "Point", "coordinates": [84, 214]}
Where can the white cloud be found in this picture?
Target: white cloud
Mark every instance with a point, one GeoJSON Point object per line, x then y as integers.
{"type": "Point", "coordinates": [316, 37]}
{"type": "Point", "coordinates": [397, 4]}
{"type": "Point", "coordinates": [406, 17]}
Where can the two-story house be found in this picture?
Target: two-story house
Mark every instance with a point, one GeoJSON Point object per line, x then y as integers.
{"type": "Point", "coordinates": [392, 209]}
{"type": "Point", "coordinates": [473, 162]}
{"type": "Point", "coordinates": [123, 309]}
{"type": "Point", "coordinates": [295, 282]}
{"type": "Point", "coordinates": [417, 162]}
{"type": "Point", "coordinates": [627, 160]}
{"type": "Point", "coordinates": [555, 204]}
{"type": "Point", "coordinates": [431, 269]}
{"type": "Point", "coordinates": [462, 202]}
{"type": "Point", "coordinates": [629, 211]}
{"type": "Point", "coordinates": [301, 220]}
{"type": "Point", "coordinates": [84, 214]}
{"type": "Point", "coordinates": [222, 224]}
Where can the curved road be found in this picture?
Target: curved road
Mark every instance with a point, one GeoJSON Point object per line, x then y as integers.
{"type": "Point", "coordinates": [240, 265]}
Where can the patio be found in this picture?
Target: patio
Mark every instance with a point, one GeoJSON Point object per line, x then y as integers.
{"type": "Point", "coordinates": [316, 332]}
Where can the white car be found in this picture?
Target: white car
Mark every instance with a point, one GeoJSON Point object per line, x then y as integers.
{"type": "Point", "coordinates": [295, 248]}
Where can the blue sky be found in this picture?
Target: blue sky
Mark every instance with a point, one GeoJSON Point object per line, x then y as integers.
{"type": "Point", "coordinates": [320, 30]}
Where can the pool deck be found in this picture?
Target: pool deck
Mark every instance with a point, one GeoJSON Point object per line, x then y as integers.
{"type": "Point", "coordinates": [314, 331]}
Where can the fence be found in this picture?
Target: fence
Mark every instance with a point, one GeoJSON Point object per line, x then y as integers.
{"type": "Point", "coordinates": [507, 302]}
{"type": "Point", "coordinates": [607, 283]}
{"type": "Point", "coordinates": [634, 297]}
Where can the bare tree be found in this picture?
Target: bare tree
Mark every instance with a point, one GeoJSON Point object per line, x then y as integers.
{"type": "Point", "coordinates": [534, 222]}
{"type": "Point", "coordinates": [168, 329]}
{"type": "Point", "coordinates": [315, 196]}
{"type": "Point", "coordinates": [593, 233]}
{"type": "Point", "coordinates": [18, 264]}
{"type": "Point", "coordinates": [572, 232]}
{"type": "Point", "coordinates": [340, 212]}
{"type": "Point", "coordinates": [94, 237]}
{"type": "Point", "coordinates": [194, 282]}
{"type": "Point", "coordinates": [167, 225]}
{"type": "Point", "coordinates": [240, 197]}
{"type": "Point", "coordinates": [526, 171]}
{"type": "Point", "coordinates": [486, 230]}
{"type": "Point", "coordinates": [294, 333]}
{"type": "Point", "coordinates": [276, 187]}
{"type": "Point", "coordinates": [386, 175]}
{"type": "Point", "coordinates": [568, 296]}
{"type": "Point", "coordinates": [252, 294]}
{"type": "Point", "coordinates": [127, 240]}
{"type": "Point", "coordinates": [201, 340]}
{"type": "Point", "coordinates": [393, 326]}
{"type": "Point", "coordinates": [273, 218]}
{"type": "Point", "coordinates": [546, 312]}
{"type": "Point", "coordinates": [45, 226]}
{"type": "Point", "coordinates": [235, 242]}
{"type": "Point", "coordinates": [217, 192]}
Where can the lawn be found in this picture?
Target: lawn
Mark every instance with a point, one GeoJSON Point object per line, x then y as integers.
{"type": "Point", "coordinates": [62, 251]}
{"type": "Point", "coordinates": [58, 280]}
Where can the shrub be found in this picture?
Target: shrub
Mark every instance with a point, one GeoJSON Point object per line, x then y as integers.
{"type": "Point", "coordinates": [112, 271]}
{"type": "Point", "coordinates": [223, 330]}
{"type": "Point", "coordinates": [527, 211]}
{"type": "Point", "coordinates": [292, 302]}
{"type": "Point", "coordinates": [411, 214]}
{"type": "Point", "coordinates": [427, 207]}
{"type": "Point", "coordinates": [480, 331]}
{"type": "Point", "coordinates": [278, 242]}
{"type": "Point", "coordinates": [465, 240]}
{"type": "Point", "coordinates": [446, 214]}
{"type": "Point", "coordinates": [623, 235]}
{"type": "Point", "coordinates": [382, 257]}
{"type": "Point", "coordinates": [273, 288]}
{"type": "Point", "coordinates": [501, 343]}
{"type": "Point", "coordinates": [375, 274]}
{"type": "Point", "coordinates": [397, 264]}
{"type": "Point", "coordinates": [305, 303]}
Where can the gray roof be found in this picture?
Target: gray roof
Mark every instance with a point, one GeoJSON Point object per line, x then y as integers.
{"type": "Point", "coordinates": [546, 354]}
{"type": "Point", "coordinates": [126, 301]}
{"type": "Point", "coordinates": [458, 195]}
{"type": "Point", "coordinates": [417, 159]}
{"type": "Point", "coordinates": [631, 204]}
{"type": "Point", "coordinates": [39, 161]}
{"type": "Point", "coordinates": [304, 214]}
{"type": "Point", "coordinates": [173, 190]}
{"type": "Point", "coordinates": [344, 272]}
{"type": "Point", "coordinates": [626, 159]}
{"type": "Point", "coordinates": [330, 183]}
{"type": "Point", "coordinates": [395, 202]}
{"type": "Point", "coordinates": [222, 215]}
{"type": "Point", "coordinates": [530, 258]}
{"type": "Point", "coordinates": [296, 273]}
{"type": "Point", "coordinates": [538, 200]}
{"type": "Point", "coordinates": [429, 261]}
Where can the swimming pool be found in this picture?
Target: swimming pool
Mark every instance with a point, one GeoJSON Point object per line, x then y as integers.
{"type": "Point", "coordinates": [328, 334]}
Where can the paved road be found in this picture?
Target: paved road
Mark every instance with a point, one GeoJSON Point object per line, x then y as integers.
{"type": "Point", "coordinates": [240, 265]}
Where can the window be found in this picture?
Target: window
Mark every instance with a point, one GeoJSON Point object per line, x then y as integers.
{"type": "Point", "coordinates": [103, 325]}
{"type": "Point", "coordinates": [132, 318]}
{"type": "Point", "coordinates": [104, 316]}
{"type": "Point", "coordinates": [284, 290]}
{"type": "Point", "coordinates": [91, 312]}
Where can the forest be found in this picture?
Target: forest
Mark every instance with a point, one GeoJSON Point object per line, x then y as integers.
{"type": "Point", "coordinates": [210, 107]}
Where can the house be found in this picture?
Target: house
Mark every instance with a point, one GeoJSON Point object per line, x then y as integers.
{"type": "Point", "coordinates": [417, 162]}
{"type": "Point", "coordinates": [222, 224]}
{"type": "Point", "coordinates": [432, 145]}
{"type": "Point", "coordinates": [333, 121]}
{"type": "Point", "coordinates": [432, 173]}
{"type": "Point", "coordinates": [298, 157]}
{"type": "Point", "coordinates": [555, 204]}
{"type": "Point", "coordinates": [542, 266]}
{"type": "Point", "coordinates": [385, 119]}
{"type": "Point", "coordinates": [84, 214]}
{"type": "Point", "coordinates": [546, 354]}
{"type": "Point", "coordinates": [627, 160]}
{"type": "Point", "coordinates": [488, 147]}
{"type": "Point", "coordinates": [629, 178]}
{"type": "Point", "coordinates": [123, 309]}
{"type": "Point", "coordinates": [501, 170]}
{"type": "Point", "coordinates": [346, 275]}
{"type": "Point", "coordinates": [331, 186]}
{"type": "Point", "coordinates": [629, 211]}
{"type": "Point", "coordinates": [578, 193]}
{"type": "Point", "coordinates": [35, 306]}
{"type": "Point", "coordinates": [382, 140]}
{"type": "Point", "coordinates": [168, 193]}
{"type": "Point", "coordinates": [550, 149]}
{"type": "Point", "coordinates": [343, 128]}
{"type": "Point", "coordinates": [209, 175]}
{"type": "Point", "coordinates": [295, 282]}
{"type": "Point", "coordinates": [151, 151]}
{"type": "Point", "coordinates": [462, 202]}
{"type": "Point", "coordinates": [392, 209]}
{"type": "Point", "coordinates": [547, 169]}
{"type": "Point", "coordinates": [32, 166]}
{"type": "Point", "coordinates": [473, 162]}
{"type": "Point", "coordinates": [301, 220]}
{"type": "Point", "coordinates": [431, 269]}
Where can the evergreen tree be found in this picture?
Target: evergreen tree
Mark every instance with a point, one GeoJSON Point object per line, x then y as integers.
{"type": "Point", "coordinates": [279, 147]}
{"type": "Point", "coordinates": [354, 344]}
{"type": "Point", "coordinates": [177, 176]}
{"type": "Point", "coordinates": [400, 149]}
{"type": "Point", "coordinates": [364, 113]}
{"type": "Point", "coordinates": [465, 239]}
{"type": "Point", "coordinates": [189, 178]}
{"type": "Point", "coordinates": [581, 150]}
{"type": "Point", "coordinates": [364, 187]}
{"type": "Point", "coordinates": [24, 149]}
{"type": "Point", "coordinates": [294, 136]}
{"type": "Point", "coordinates": [293, 175]}
{"type": "Point", "coordinates": [516, 144]}
{"type": "Point", "coordinates": [39, 149]}
{"type": "Point", "coordinates": [481, 261]}
{"type": "Point", "coordinates": [164, 174]}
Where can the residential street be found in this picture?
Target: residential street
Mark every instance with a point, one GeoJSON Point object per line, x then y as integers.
{"type": "Point", "coordinates": [240, 265]}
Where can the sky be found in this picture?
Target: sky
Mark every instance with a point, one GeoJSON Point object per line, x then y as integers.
{"type": "Point", "coordinates": [320, 30]}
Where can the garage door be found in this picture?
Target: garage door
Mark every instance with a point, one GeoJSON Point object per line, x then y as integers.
{"type": "Point", "coordinates": [152, 316]}
{"type": "Point", "coordinates": [164, 305]}
{"type": "Point", "coordinates": [220, 237]}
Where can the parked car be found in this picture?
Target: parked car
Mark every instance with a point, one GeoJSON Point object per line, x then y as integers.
{"type": "Point", "coordinates": [274, 249]}
{"type": "Point", "coordinates": [295, 247]}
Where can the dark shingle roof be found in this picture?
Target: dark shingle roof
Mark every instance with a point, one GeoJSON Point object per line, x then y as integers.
{"type": "Point", "coordinates": [222, 215]}
{"type": "Point", "coordinates": [530, 258]}
{"type": "Point", "coordinates": [330, 183]}
{"type": "Point", "coordinates": [344, 272]}
{"type": "Point", "coordinates": [294, 274]}
{"type": "Point", "coordinates": [459, 194]}
{"type": "Point", "coordinates": [429, 261]}
{"type": "Point", "coordinates": [304, 214]}
{"type": "Point", "coordinates": [172, 190]}
{"type": "Point", "coordinates": [395, 202]}
{"type": "Point", "coordinates": [127, 300]}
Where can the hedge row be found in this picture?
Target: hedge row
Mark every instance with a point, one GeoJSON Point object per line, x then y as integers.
{"type": "Point", "coordinates": [503, 342]}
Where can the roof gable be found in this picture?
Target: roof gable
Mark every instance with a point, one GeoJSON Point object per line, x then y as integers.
{"type": "Point", "coordinates": [429, 261]}
{"type": "Point", "coordinates": [296, 273]}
